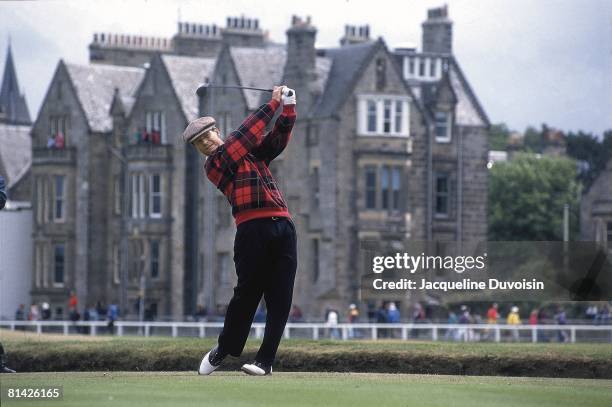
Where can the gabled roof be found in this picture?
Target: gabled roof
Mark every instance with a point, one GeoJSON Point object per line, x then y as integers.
{"type": "Point", "coordinates": [15, 153]}
{"type": "Point", "coordinates": [469, 111]}
{"type": "Point", "coordinates": [346, 64]}
{"type": "Point", "coordinates": [258, 67]}
{"type": "Point", "coordinates": [185, 74]}
{"type": "Point", "coordinates": [95, 86]}
{"type": "Point", "coordinates": [13, 106]}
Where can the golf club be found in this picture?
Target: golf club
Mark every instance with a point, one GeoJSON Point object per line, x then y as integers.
{"type": "Point", "coordinates": [204, 86]}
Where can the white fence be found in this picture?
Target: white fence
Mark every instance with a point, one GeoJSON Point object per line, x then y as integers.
{"type": "Point", "coordinates": [433, 332]}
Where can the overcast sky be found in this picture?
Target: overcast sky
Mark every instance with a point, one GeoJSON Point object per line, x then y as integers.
{"type": "Point", "coordinates": [529, 62]}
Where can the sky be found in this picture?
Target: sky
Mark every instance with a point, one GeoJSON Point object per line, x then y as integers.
{"type": "Point", "coordinates": [529, 62]}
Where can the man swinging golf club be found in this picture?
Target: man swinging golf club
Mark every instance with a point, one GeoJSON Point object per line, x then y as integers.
{"type": "Point", "coordinates": [265, 251]}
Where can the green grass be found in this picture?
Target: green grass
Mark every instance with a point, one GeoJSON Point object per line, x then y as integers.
{"type": "Point", "coordinates": [120, 389]}
{"type": "Point", "coordinates": [553, 350]}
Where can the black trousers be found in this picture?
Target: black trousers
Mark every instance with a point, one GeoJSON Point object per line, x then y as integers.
{"type": "Point", "coordinates": [265, 254]}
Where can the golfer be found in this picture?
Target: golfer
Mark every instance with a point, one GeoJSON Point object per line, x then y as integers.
{"type": "Point", "coordinates": [265, 251]}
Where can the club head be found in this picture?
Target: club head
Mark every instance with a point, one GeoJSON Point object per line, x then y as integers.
{"type": "Point", "coordinates": [202, 89]}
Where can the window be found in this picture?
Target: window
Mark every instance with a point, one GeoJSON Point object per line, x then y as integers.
{"type": "Point", "coordinates": [398, 118]}
{"type": "Point", "coordinates": [59, 198]}
{"type": "Point", "coordinates": [154, 259]}
{"type": "Point", "coordinates": [395, 188]}
{"type": "Point", "coordinates": [117, 195]}
{"type": "Point", "coordinates": [40, 200]}
{"type": "Point", "coordinates": [315, 187]}
{"type": "Point", "coordinates": [370, 193]}
{"type": "Point", "coordinates": [155, 126]}
{"type": "Point", "coordinates": [49, 200]}
{"type": "Point", "coordinates": [443, 128]}
{"type": "Point", "coordinates": [609, 227]}
{"type": "Point", "coordinates": [315, 260]}
{"type": "Point", "coordinates": [371, 116]}
{"type": "Point", "coordinates": [224, 124]}
{"type": "Point", "coordinates": [138, 195]}
{"type": "Point", "coordinates": [422, 67]}
{"type": "Point", "coordinates": [384, 186]}
{"type": "Point", "coordinates": [155, 197]}
{"type": "Point", "coordinates": [38, 259]}
{"type": "Point", "coordinates": [432, 67]}
{"type": "Point", "coordinates": [381, 73]}
{"type": "Point", "coordinates": [388, 115]}
{"type": "Point", "coordinates": [442, 194]}
{"type": "Point", "coordinates": [116, 264]}
{"type": "Point", "coordinates": [59, 264]}
{"type": "Point", "coordinates": [223, 268]}
{"type": "Point", "coordinates": [390, 185]}
{"type": "Point", "coordinates": [58, 131]}
{"type": "Point", "coordinates": [411, 66]}
{"type": "Point", "coordinates": [136, 256]}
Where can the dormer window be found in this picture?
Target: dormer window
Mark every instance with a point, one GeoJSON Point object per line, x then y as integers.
{"type": "Point", "coordinates": [381, 73]}
{"type": "Point", "coordinates": [155, 128]}
{"type": "Point", "coordinates": [443, 126]}
{"type": "Point", "coordinates": [383, 115]}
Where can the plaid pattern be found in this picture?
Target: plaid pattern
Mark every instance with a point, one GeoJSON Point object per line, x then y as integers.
{"type": "Point", "coordinates": [239, 168]}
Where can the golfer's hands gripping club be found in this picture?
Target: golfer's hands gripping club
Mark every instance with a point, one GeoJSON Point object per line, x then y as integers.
{"type": "Point", "coordinates": [277, 92]}
{"type": "Point", "coordinates": [288, 96]}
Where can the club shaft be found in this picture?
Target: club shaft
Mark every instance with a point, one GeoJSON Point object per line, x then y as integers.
{"type": "Point", "coordinates": [239, 87]}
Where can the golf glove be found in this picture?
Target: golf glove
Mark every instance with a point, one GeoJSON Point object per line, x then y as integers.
{"type": "Point", "coordinates": [288, 97]}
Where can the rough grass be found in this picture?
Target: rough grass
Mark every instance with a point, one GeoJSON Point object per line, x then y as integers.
{"type": "Point", "coordinates": [31, 352]}
{"type": "Point", "coordinates": [121, 389]}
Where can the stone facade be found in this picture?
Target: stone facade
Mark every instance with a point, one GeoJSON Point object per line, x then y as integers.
{"type": "Point", "coordinates": [596, 210]}
{"type": "Point", "coordinates": [379, 152]}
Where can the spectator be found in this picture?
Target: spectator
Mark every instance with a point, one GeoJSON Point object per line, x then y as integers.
{"type": "Point", "coordinates": [393, 316]}
{"type": "Point", "coordinates": [603, 315]}
{"type": "Point", "coordinates": [332, 323]}
{"type": "Point", "coordinates": [382, 318]}
{"type": "Point", "coordinates": [514, 319]}
{"type": "Point", "coordinates": [73, 302]}
{"type": "Point", "coordinates": [591, 312]}
{"type": "Point", "coordinates": [493, 314]}
{"type": "Point", "coordinates": [200, 313]}
{"type": "Point", "coordinates": [20, 313]}
{"type": "Point", "coordinates": [3, 196]}
{"type": "Point", "coordinates": [561, 319]}
{"type": "Point", "coordinates": [59, 140]}
{"type": "Point", "coordinates": [465, 333]}
{"type": "Point", "coordinates": [296, 314]}
{"type": "Point", "coordinates": [451, 333]}
{"type": "Point", "coordinates": [51, 142]}
{"type": "Point", "coordinates": [34, 315]}
{"type": "Point", "coordinates": [353, 316]}
{"type": "Point", "coordinates": [533, 317]}
{"type": "Point", "coordinates": [111, 315]}
{"type": "Point", "coordinates": [46, 311]}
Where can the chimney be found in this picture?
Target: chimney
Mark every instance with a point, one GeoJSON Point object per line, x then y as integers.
{"type": "Point", "coordinates": [243, 32]}
{"type": "Point", "coordinates": [355, 34]}
{"type": "Point", "coordinates": [301, 51]}
{"type": "Point", "coordinates": [437, 31]}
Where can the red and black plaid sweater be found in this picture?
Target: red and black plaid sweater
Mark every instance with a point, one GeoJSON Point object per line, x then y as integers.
{"type": "Point", "coordinates": [239, 167]}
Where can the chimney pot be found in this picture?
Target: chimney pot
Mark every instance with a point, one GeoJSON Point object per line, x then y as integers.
{"type": "Point", "coordinates": [256, 24]}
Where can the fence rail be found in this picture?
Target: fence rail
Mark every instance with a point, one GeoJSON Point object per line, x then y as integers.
{"type": "Point", "coordinates": [429, 331]}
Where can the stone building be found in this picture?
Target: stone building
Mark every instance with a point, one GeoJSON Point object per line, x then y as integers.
{"type": "Point", "coordinates": [596, 210]}
{"type": "Point", "coordinates": [15, 122]}
{"type": "Point", "coordinates": [390, 145]}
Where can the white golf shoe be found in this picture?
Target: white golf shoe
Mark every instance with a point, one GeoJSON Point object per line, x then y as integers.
{"type": "Point", "coordinates": [211, 361]}
{"type": "Point", "coordinates": [256, 369]}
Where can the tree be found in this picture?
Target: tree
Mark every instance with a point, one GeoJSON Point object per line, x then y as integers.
{"type": "Point", "coordinates": [526, 198]}
{"type": "Point", "coordinates": [591, 154]}
{"type": "Point", "coordinates": [498, 136]}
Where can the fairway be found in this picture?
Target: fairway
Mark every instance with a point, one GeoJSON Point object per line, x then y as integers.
{"type": "Point", "coordinates": [307, 389]}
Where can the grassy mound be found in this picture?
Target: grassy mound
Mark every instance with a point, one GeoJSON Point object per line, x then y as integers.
{"type": "Point", "coordinates": [40, 353]}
